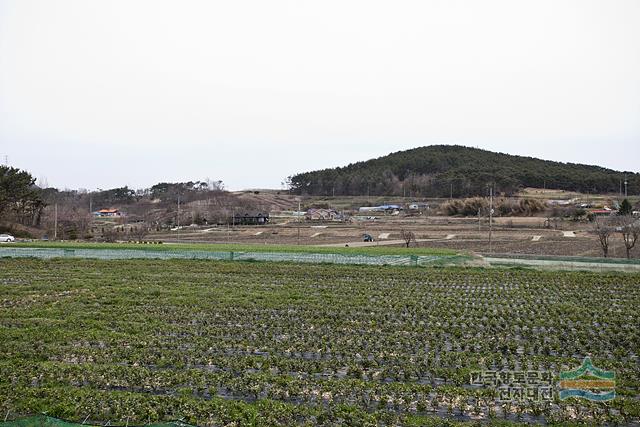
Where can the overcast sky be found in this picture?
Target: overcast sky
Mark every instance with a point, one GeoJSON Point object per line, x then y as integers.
{"type": "Point", "coordinates": [99, 94]}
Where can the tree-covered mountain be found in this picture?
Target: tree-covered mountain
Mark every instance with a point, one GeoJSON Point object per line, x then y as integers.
{"type": "Point", "coordinates": [442, 170]}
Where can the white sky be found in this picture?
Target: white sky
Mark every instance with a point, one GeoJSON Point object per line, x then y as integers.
{"type": "Point", "coordinates": [111, 93]}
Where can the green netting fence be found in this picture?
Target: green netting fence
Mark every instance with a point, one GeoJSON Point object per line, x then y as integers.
{"type": "Point", "coordinates": [47, 421]}
{"type": "Point", "coordinates": [564, 258]}
{"type": "Point", "coordinates": [331, 258]}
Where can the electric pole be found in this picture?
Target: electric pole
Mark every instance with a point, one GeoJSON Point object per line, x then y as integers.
{"type": "Point", "coordinates": [178, 218]}
{"type": "Point", "coordinates": [490, 216]}
{"type": "Point", "coordinates": [625, 185]}
{"type": "Point", "coordinates": [298, 221]}
{"type": "Point", "coordinates": [55, 222]}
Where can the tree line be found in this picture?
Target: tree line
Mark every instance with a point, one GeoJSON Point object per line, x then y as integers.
{"type": "Point", "coordinates": [20, 199]}
{"type": "Point", "coordinates": [68, 214]}
{"type": "Point", "coordinates": [445, 171]}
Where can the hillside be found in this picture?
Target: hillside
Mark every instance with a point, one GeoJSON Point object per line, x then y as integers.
{"type": "Point", "coordinates": [439, 170]}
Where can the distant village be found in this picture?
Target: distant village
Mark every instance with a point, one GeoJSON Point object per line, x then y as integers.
{"type": "Point", "coordinates": [368, 213]}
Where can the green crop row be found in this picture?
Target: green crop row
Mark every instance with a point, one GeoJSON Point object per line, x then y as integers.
{"type": "Point", "coordinates": [369, 250]}
{"type": "Point", "coordinates": [219, 343]}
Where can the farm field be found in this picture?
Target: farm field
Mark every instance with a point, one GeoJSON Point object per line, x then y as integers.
{"type": "Point", "coordinates": [221, 343]}
{"type": "Point", "coordinates": [222, 247]}
{"type": "Point", "coordinates": [515, 235]}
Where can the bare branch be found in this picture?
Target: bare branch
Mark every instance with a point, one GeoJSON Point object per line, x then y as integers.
{"type": "Point", "coordinates": [629, 229]}
{"type": "Point", "coordinates": [407, 236]}
{"type": "Point", "coordinates": [604, 230]}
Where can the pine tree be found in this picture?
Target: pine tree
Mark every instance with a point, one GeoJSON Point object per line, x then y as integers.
{"type": "Point", "coordinates": [625, 208]}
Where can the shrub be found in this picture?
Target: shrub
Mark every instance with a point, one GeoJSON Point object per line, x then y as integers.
{"type": "Point", "coordinates": [466, 207]}
{"type": "Point", "coordinates": [522, 207]}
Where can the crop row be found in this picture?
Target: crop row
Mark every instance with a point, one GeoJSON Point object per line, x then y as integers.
{"type": "Point", "coordinates": [311, 344]}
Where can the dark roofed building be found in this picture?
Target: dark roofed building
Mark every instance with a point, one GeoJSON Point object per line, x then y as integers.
{"type": "Point", "coordinates": [250, 218]}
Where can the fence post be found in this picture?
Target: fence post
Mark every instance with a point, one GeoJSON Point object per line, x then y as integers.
{"type": "Point", "coordinates": [231, 256]}
{"type": "Point", "coordinates": [414, 260]}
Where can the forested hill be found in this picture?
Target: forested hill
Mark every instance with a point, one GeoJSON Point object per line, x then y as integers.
{"type": "Point", "coordinates": [439, 170]}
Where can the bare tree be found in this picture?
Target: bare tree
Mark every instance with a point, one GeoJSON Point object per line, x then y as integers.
{"type": "Point", "coordinates": [630, 230]}
{"type": "Point", "coordinates": [604, 230]}
{"type": "Point", "coordinates": [83, 222]}
{"type": "Point", "coordinates": [72, 222]}
{"type": "Point", "coordinates": [109, 235]}
{"type": "Point", "coordinates": [139, 231]}
{"type": "Point", "coordinates": [407, 236]}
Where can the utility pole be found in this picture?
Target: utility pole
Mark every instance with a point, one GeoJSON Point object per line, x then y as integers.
{"type": "Point", "coordinates": [91, 216]}
{"type": "Point", "coordinates": [298, 221]}
{"type": "Point", "coordinates": [451, 192]}
{"type": "Point", "coordinates": [620, 193]}
{"type": "Point", "coordinates": [625, 185]}
{"type": "Point", "coordinates": [55, 222]}
{"type": "Point", "coordinates": [178, 218]}
{"type": "Point", "coordinates": [490, 216]}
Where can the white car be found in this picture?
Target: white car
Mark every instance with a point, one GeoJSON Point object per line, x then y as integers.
{"type": "Point", "coordinates": [7, 238]}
